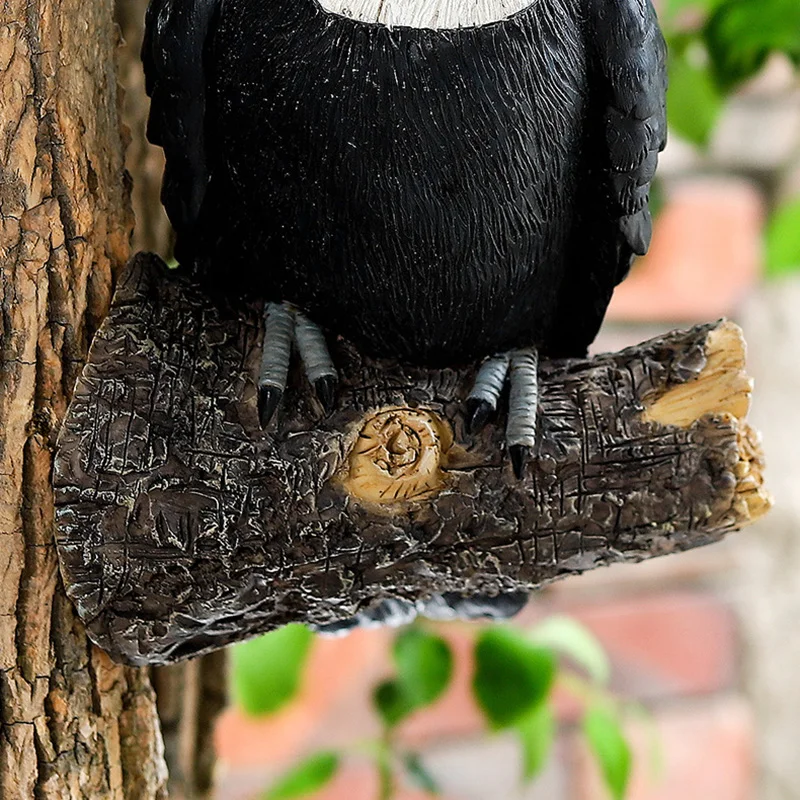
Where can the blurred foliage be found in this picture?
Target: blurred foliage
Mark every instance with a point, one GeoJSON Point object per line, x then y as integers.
{"type": "Point", "coordinates": [424, 667]}
{"type": "Point", "coordinates": [715, 46]}
{"type": "Point", "coordinates": [266, 670]}
{"type": "Point", "coordinates": [783, 238]}
{"type": "Point", "coordinates": [306, 778]}
{"type": "Point", "coordinates": [515, 674]}
{"type": "Point", "coordinates": [607, 741]}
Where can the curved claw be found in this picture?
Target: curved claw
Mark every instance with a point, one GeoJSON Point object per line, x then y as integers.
{"type": "Point", "coordinates": [269, 398]}
{"type": "Point", "coordinates": [519, 459]}
{"type": "Point", "coordinates": [478, 413]}
{"type": "Point", "coordinates": [325, 387]}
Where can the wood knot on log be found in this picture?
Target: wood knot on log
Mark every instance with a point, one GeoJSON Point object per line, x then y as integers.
{"type": "Point", "coordinates": [397, 456]}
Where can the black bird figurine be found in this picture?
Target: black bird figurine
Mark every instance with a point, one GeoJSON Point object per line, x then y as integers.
{"type": "Point", "coordinates": [439, 181]}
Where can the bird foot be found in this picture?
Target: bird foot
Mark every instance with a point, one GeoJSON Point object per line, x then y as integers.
{"type": "Point", "coordinates": [520, 368]}
{"type": "Point", "coordinates": [285, 325]}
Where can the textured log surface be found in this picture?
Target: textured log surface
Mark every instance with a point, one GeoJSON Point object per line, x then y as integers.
{"type": "Point", "coordinates": [75, 726]}
{"type": "Point", "coordinates": [183, 527]}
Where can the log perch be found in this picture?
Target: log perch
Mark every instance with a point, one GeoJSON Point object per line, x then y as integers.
{"type": "Point", "coordinates": [182, 527]}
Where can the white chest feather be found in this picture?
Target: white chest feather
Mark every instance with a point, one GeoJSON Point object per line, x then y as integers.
{"type": "Point", "coordinates": [437, 14]}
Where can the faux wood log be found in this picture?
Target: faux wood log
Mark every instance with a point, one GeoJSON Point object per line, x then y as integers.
{"type": "Point", "coordinates": [183, 527]}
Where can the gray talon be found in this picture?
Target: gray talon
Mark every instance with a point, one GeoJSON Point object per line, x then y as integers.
{"type": "Point", "coordinates": [275, 356]}
{"type": "Point", "coordinates": [313, 349]}
{"type": "Point", "coordinates": [521, 369]}
{"type": "Point", "coordinates": [282, 326]}
{"type": "Point", "coordinates": [523, 399]}
{"type": "Point", "coordinates": [490, 379]}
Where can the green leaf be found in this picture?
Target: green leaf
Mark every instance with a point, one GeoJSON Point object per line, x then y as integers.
{"type": "Point", "coordinates": [694, 102]}
{"type": "Point", "coordinates": [783, 239]}
{"type": "Point", "coordinates": [568, 637]}
{"type": "Point", "coordinates": [741, 34]}
{"type": "Point", "coordinates": [424, 665]}
{"type": "Point", "coordinates": [424, 668]}
{"type": "Point", "coordinates": [419, 775]}
{"type": "Point", "coordinates": [306, 778]}
{"type": "Point", "coordinates": [610, 748]}
{"type": "Point", "coordinates": [536, 734]}
{"type": "Point", "coordinates": [392, 702]}
{"type": "Point", "coordinates": [512, 675]}
{"type": "Point", "coordinates": [266, 671]}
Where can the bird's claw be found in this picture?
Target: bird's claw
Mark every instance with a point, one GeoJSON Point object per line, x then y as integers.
{"type": "Point", "coordinates": [325, 387]}
{"type": "Point", "coordinates": [269, 398]}
{"type": "Point", "coordinates": [520, 367]}
{"type": "Point", "coordinates": [284, 326]}
{"type": "Point", "coordinates": [478, 413]}
{"type": "Point", "coordinates": [519, 455]}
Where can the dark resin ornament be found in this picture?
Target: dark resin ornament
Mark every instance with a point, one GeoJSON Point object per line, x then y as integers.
{"type": "Point", "coordinates": [433, 194]}
{"type": "Point", "coordinates": [437, 196]}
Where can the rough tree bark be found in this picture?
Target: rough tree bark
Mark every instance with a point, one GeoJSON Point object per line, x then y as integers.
{"type": "Point", "coordinates": [144, 161]}
{"type": "Point", "coordinates": [191, 695]}
{"type": "Point", "coordinates": [74, 724]}
{"type": "Point", "coordinates": [184, 527]}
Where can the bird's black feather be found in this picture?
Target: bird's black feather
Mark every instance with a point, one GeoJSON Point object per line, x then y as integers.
{"type": "Point", "coordinates": [173, 54]}
{"type": "Point", "coordinates": [630, 57]}
{"type": "Point", "coordinates": [432, 195]}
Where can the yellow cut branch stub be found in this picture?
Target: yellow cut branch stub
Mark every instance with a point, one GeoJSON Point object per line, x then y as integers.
{"type": "Point", "coordinates": [397, 456]}
{"type": "Point", "coordinates": [722, 387]}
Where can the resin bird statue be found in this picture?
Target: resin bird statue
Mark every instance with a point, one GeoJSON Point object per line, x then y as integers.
{"type": "Point", "coordinates": [438, 181]}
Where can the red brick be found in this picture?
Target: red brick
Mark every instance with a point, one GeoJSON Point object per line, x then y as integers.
{"type": "Point", "coordinates": [705, 255]}
{"type": "Point", "coordinates": [707, 752]}
{"type": "Point", "coordinates": [678, 643]}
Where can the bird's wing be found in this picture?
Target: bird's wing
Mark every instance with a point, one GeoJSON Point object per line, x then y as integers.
{"type": "Point", "coordinates": [629, 65]}
{"type": "Point", "coordinates": [176, 35]}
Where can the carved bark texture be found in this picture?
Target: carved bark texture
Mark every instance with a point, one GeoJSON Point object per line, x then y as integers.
{"type": "Point", "coordinates": [183, 526]}
{"type": "Point", "coordinates": [74, 724]}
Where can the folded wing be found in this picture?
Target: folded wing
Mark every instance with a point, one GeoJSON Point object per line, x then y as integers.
{"type": "Point", "coordinates": [177, 33]}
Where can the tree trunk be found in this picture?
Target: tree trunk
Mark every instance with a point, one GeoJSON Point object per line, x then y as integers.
{"type": "Point", "coordinates": [184, 527]}
{"type": "Point", "coordinates": [191, 696]}
{"type": "Point", "coordinates": [144, 161]}
{"type": "Point", "coordinates": [74, 724]}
